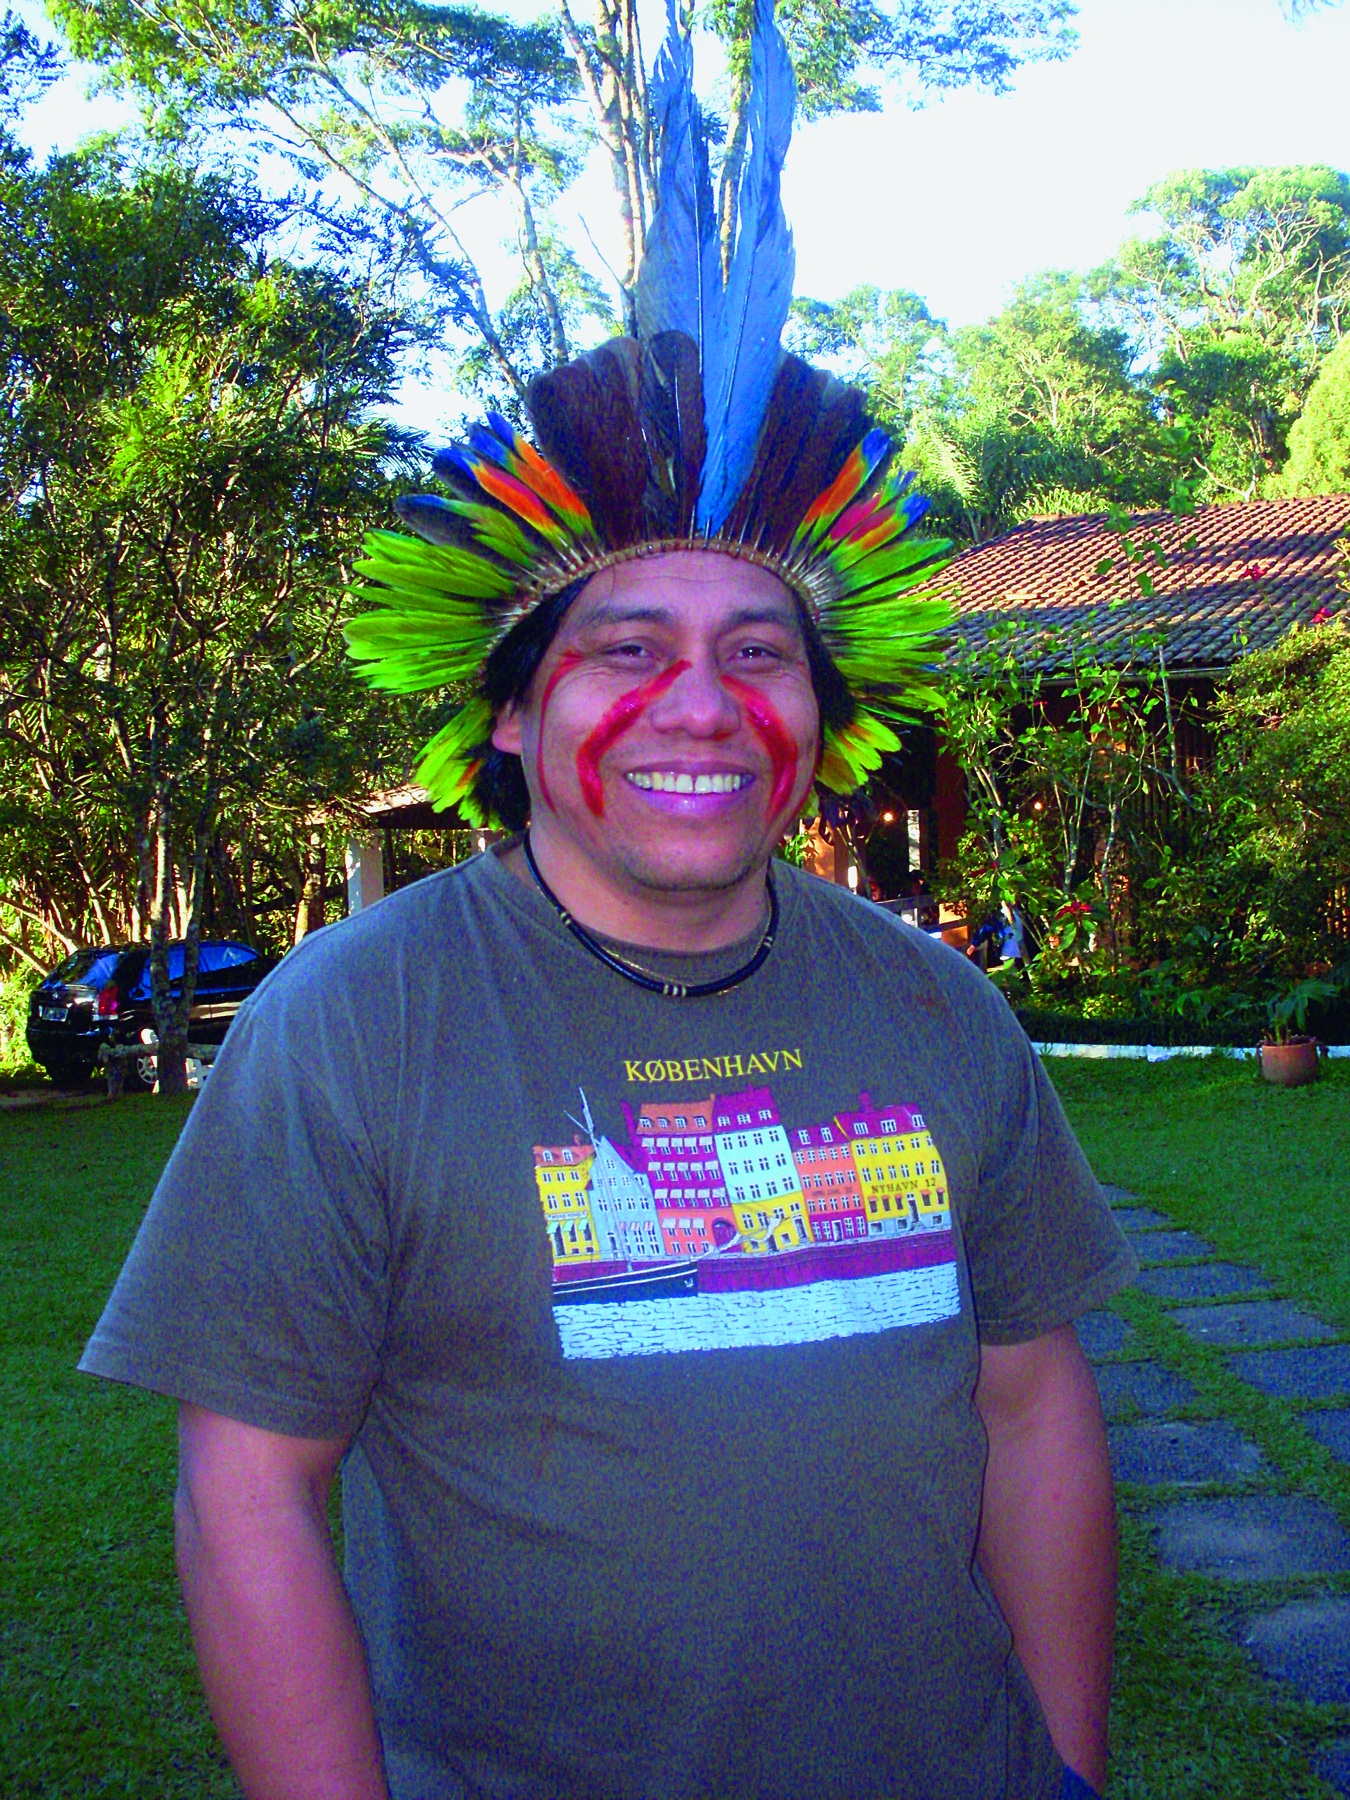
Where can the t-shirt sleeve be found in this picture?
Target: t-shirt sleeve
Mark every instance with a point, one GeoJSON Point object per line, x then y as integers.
{"type": "Point", "coordinates": [1041, 1241]}
{"type": "Point", "coordinates": [257, 1284]}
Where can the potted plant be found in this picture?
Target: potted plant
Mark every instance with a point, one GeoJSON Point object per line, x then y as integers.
{"type": "Point", "coordinates": [1289, 1057]}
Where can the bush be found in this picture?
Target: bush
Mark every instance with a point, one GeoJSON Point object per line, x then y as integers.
{"type": "Point", "coordinates": [15, 987]}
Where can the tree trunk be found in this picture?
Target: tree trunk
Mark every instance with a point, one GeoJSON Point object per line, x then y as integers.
{"type": "Point", "coordinates": [225, 888]}
{"type": "Point", "coordinates": [172, 1036]}
{"type": "Point", "coordinates": [309, 911]}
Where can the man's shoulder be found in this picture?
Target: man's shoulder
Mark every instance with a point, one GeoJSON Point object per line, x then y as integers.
{"type": "Point", "coordinates": [876, 927]}
{"type": "Point", "coordinates": [914, 960]}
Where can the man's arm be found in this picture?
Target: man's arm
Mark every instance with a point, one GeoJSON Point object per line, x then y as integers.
{"type": "Point", "coordinates": [280, 1656]}
{"type": "Point", "coordinates": [1047, 1538]}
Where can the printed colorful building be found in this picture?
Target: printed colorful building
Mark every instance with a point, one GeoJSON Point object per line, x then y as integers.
{"type": "Point", "coordinates": [672, 1141]}
{"type": "Point", "coordinates": [823, 1158]}
{"type": "Point", "coordinates": [562, 1174]}
{"type": "Point", "coordinates": [900, 1173]}
{"type": "Point", "coordinates": [762, 1186]}
{"type": "Point", "coordinates": [623, 1208]}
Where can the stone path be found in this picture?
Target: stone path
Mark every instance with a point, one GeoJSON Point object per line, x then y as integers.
{"type": "Point", "coordinates": [1251, 1534]}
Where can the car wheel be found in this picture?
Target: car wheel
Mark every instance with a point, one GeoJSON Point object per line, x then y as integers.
{"type": "Point", "coordinates": [141, 1074]}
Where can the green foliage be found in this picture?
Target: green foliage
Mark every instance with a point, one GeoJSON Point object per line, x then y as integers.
{"type": "Point", "coordinates": [921, 48]}
{"type": "Point", "coordinates": [1319, 439]}
{"type": "Point", "coordinates": [1056, 745]}
{"type": "Point", "coordinates": [189, 458]}
{"type": "Point", "coordinates": [15, 987]}
{"type": "Point", "coordinates": [1232, 301]}
{"type": "Point", "coordinates": [1280, 798]}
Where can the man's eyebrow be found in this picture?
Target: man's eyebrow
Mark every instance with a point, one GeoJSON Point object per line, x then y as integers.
{"type": "Point", "coordinates": [606, 612]}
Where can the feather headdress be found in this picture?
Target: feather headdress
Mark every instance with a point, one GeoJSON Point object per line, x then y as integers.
{"type": "Point", "coordinates": [698, 434]}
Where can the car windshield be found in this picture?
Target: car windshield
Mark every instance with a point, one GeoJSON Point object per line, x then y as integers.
{"type": "Point", "coordinates": [90, 968]}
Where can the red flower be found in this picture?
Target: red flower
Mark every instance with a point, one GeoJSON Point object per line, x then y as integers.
{"type": "Point", "coordinates": [1320, 617]}
{"type": "Point", "coordinates": [1254, 572]}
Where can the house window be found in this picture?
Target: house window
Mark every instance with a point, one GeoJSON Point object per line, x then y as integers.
{"type": "Point", "coordinates": [826, 1135]}
{"type": "Point", "coordinates": [765, 1114]}
{"type": "Point", "coordinates": [546, 1156]}
{"type": "Point", "coordinates": [803, 1137]}
{"type": "Point", "coordinates": [679, 1120]}
{"type": "Point", "coordinates": [888, 1124]}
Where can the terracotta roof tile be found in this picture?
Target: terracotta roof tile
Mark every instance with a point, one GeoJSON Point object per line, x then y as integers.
{"type": "Point", "coordinates": [1256, 568]}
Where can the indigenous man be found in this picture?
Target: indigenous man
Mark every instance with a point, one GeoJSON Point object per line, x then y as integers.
{"type": "Point", "coordinates": [678, 1255]}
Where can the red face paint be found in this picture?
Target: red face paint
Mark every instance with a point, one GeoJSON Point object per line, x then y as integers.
{"type": "Point", "coordinates": [612, 727]}
{"type": "Point", "coordinates": [776, 739]}
{"type": "Point", "coordinates": [568, 660]}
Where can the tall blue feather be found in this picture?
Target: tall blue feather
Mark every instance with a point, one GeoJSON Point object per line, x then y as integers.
{"type": "Point", "coordinates": [670, 293]}
{"type": "Point", "coordinates": [740, 352]}
{"type": "Point", "coordinates": [737, 327]}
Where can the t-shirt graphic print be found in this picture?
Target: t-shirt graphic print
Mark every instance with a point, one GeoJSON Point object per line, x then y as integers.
{"type": "Point", "coordinates": [715, 1223]}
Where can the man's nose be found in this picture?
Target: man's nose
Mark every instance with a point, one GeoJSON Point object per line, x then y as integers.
{"type": "Point", "coordinates": [697, 702]}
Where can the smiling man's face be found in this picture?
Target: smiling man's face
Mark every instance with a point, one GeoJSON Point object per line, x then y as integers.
{"type": "Point", "coordinates": [668, 740]}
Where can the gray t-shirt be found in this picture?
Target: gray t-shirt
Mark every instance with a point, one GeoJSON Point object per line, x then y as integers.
{"type": "Point", "coordinates": [655, 1327]}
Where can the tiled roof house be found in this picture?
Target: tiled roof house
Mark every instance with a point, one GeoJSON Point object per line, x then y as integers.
{"type": "Point", "coordinates": [1256, 569]}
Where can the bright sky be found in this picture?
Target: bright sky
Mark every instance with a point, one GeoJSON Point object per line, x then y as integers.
{"type": "Point", "coordinates": [961, 199]}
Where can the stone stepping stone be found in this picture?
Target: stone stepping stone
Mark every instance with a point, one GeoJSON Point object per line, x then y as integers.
{"type": "Point", "coordinates": [1322, 1373]}
{"type": "Point", "coordinates": [1118, 1196]}
{"type": "Point", "coordinates": [1140, 1218]}
{"type": "Point", "coordinates": [1103, 1333]}
{"type": "Point", "coordinates": [1167, 1246]}
{"type": "Point", "coordinates": [1254, 1322]}
{"type": "Point", "coordinates": [1177, 1451]}
{"type": "Point", "coordinates": [1202, 1281]}
{"type": "Point", "coordinates": [1331, 1429]}
{"type": "Point", "coordinates": [1145, 1385]}
{"type": "Point", "coordinates": [1332, 1763]}
{"type": "Point", "coordinates": [1261, 1537]}
{"type": "Point", "coordinates": [1307, 1644]}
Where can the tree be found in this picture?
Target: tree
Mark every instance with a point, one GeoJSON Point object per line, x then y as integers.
{"type": "Point", "coordinates": [1319, 439]}
{"type": "Point", "coordinates": [1039, 412]}
{"type": "Point", "coordinates": [192, 460]}
{"type": "Point", "coordinates": [1233, 302]}
{"type": "Point", "coordinates": [414, 108]}
{"type": "Point", "coordinates": [1281, 799]}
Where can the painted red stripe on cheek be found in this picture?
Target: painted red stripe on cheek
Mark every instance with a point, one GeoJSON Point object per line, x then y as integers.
{"type": "Point", "coordinates": [568, 660]}
{"type": "Point", "coordinates": [776, 739]}
{"type": "Point", "coordinates": [612, 727]}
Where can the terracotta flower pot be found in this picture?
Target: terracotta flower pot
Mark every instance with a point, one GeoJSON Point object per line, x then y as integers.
{"type": "Point", "coordinates": [1291, 1065]}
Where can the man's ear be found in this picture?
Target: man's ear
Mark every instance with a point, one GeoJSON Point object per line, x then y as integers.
{"type": "Point", "coordinates": [506, 733]}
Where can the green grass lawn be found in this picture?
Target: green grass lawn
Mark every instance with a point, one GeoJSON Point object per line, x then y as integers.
{"type": "Point", "coordinates": [1262, 1172]}
{"type": "Point", "coordinates": [99, 1696]}
{"type": "Point", "coordinates": [1264, 1175]}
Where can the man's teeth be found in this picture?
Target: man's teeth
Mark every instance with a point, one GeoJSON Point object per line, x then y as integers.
{"type": "Point", "coordinates": [668, 782]}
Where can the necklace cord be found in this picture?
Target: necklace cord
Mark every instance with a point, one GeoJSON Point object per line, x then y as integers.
{"type": "Point", "coordinates": [670, 990]}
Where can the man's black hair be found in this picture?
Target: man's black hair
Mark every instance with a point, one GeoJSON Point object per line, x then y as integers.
{"type": "Point", "coordinates": [500, 787]}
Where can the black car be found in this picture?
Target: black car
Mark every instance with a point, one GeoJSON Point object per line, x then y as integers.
{"type": "Point", "coordinates": [103, 997]}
